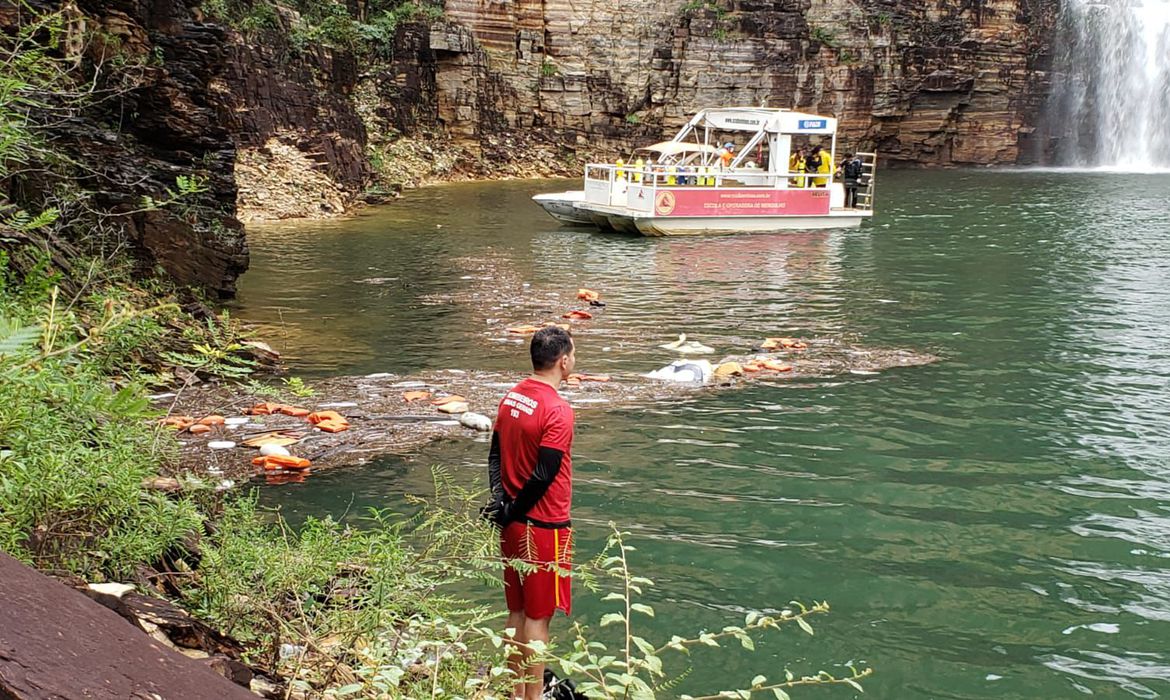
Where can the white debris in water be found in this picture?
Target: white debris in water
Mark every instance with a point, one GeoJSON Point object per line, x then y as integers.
{"type": "Point", "coordinates": [862, 371]}
{"type": "Point", "coordinates": [456, 371]}
{"type": "Point", "coordinates": [379, 375]}
{"type": "Point", "coordinates": [476, 421]}
{"type": "Point", "coordinates": [1103, 627]}
{"type": "Point", "coordinates": [993, 677]}
{"type": "Point", "coordinates": [685, 371]}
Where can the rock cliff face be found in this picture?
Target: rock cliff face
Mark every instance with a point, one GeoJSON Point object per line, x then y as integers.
{"type": "Point", "coordinates": [151, 118]}
{"type": "Point", "coordinates": [924, 82]}
{"type": "Point", "coordinates": [301, 145]}
{"type": "Point", "coordinates": [531, 87]}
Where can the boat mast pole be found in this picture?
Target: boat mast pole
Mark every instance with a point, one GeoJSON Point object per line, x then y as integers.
{"type": "Point", "coordinates": [755, 140]}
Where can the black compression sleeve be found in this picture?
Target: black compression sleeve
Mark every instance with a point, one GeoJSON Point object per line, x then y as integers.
{"type": "Point", "coordinates": [548, 465]}
{"type": "Point", "coordinates": [495, 482]}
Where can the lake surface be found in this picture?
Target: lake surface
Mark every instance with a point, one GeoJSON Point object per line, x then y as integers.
{"type": "Point", "coordinates": [996, 525]}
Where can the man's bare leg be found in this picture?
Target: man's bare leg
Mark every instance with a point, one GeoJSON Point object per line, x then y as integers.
{"type": "Point", "coordinates": [534, 630]}
{"type": "Point", "coordinates": [517, 649]}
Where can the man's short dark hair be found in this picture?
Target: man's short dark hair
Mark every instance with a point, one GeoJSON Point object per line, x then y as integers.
{"type": "Point", "coordinates": [548, 346]}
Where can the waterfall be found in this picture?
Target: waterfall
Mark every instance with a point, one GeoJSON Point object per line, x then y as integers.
{"type": "Point", "coordinates": [1110, 103]}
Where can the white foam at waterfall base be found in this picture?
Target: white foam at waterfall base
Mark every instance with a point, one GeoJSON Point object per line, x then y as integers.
{"type": "Point", "coordinates": [1111, 86]}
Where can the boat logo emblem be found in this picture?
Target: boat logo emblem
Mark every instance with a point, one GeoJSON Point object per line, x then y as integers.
{"type": "Point", "coordinates": [664, 203]}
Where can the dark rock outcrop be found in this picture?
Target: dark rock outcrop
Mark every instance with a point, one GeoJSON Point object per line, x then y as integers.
{"type": "Point", "coordinates": [57, 643]}
{"type": "Point", "coordinates": [151, 118]}
{"type": "Point", "coordinates": [301, 142]}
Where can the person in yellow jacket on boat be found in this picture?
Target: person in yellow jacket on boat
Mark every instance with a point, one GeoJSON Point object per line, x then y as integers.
{"type": "Point", "coordinates": [819, 161]}
{"type": "Point", "coordinates": [796, 165]}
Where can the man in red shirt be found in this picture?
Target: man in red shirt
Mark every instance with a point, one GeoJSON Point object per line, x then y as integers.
{"type": "Point", "coordinates": [531, 475]}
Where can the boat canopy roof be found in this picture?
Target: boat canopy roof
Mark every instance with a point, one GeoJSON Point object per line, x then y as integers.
{"type": "Point", "coordinates": [756, 119]}
{"type": "Point", "coordinates": [674, 148]}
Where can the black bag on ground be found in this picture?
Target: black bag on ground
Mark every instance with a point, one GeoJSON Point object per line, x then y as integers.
{"type": "Point", "coordinates": [560, 688]}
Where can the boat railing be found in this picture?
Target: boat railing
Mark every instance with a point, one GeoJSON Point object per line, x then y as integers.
{"type": "Point", "coordinates": [705, 176]}
{"type": "Point", "coordinates": [608, 184]}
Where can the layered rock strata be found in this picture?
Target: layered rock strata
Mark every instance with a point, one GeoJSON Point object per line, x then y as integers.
{"type": "Point", "coordinates": [150, 118]}
{"type": "Point", "coordinates": [924, 83]}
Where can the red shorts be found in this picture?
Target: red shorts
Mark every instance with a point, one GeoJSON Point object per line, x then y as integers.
{"type": "Point", "coordinates": [539, 593]}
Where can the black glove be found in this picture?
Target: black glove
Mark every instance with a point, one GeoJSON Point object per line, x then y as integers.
{"type": "Point", "coordinates": [498, 511]}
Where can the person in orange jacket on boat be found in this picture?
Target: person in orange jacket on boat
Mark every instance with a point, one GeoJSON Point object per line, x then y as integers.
{"type": "Point", "coordinates": [726, 154]}
{"type": "Point", "coordinates": [530, 471]}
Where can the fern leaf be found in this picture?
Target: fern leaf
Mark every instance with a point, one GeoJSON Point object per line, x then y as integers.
{"type": "Point", "coordinates": [16, 339]}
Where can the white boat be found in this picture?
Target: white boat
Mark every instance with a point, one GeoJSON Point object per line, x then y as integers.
{"type": "Point", "coordinates": [562, 207]}
{"type": "Point", "coordinates": [689, 186]}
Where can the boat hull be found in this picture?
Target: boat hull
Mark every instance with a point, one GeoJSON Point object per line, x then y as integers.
{"type": "Point", "coordinates": [704, 226]}
{"type": "Point", "coordinates": [562, 206]}
{"type": "Point", "coordinates": [625, 220]}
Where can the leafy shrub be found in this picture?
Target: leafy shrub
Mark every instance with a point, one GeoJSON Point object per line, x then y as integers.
{"type": "Point", "coordinates": [75, 453]}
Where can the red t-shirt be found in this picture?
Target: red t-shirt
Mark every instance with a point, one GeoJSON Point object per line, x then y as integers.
{"type": "Point", "coordinates": [533, 415]}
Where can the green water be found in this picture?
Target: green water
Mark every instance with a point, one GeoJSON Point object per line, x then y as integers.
{"type": "Point", "coordinates": [996, 525]}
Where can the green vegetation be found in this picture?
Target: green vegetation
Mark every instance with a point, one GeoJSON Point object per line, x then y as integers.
{"type": "Point", "coordinates": [636, 667]}
{"type": "Point", "coordinates": [549, 69]}
{"type": "Point", "coordinates": [76, 448]}
{"type": "Point", "coordinates": [722, 24]}
{"type": "Point", "coordinates": [823, 35]}
{"type": "Point", "coordinates": [215, 349]}
{"type": "Point", "coordinates": [309, 23]}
